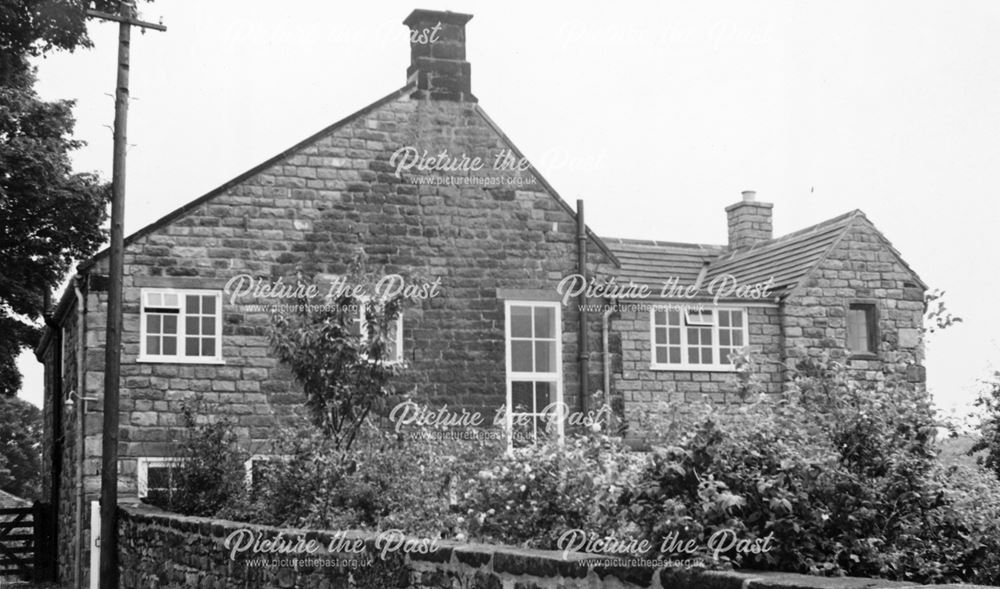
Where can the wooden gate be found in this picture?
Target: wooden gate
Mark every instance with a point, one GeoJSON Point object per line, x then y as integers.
{"type": "Point", "coordinates": [26, 550]}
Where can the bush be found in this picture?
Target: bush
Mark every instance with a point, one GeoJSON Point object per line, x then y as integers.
{"type": "Point", "coordinates": [382, 482]}
{"type": "Point", "coordinates": [989, 428]}
{"type": "Point", "coordinates": [534, 495]}
{"type": "Point", "coordinates": [845, 477]}
{"type": "Point", "coordinates": [210, 474]}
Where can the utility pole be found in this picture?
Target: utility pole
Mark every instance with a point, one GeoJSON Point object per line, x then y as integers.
{"type": "Point", "coordinates": [113, 342]}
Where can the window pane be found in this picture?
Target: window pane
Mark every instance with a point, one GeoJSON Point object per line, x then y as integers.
{"type": "Point", "coordinates": [675, 317]}
{"type": "Point", "coordinates": [723, 318]}
{"type": "Point", "coordinates": [170, 324]}
{"type": "Point", "coordinates": [692, 355]}
{"type": "Point", "coordinates": [208, 326]}
{"type": "Point", "coordinates": [208, 304]}
{"type": "Point", "coordinates": [170, 346]}
{"type": "Point", "coordinates": [158, 477]}
{"type": "Point", "coordinates": [191, 346]}
{"type": "Point", "coordinates": [661, 355]}
{"type": "Point", "coordinates": [675, 355]}
{"type": "Point", "coordinates": [706, 355]}
{"type": "Point", "coordinates": [738, 318]}
{"type": "Point", "coordinates": [545, 322]}
{"type": "Point", "coordinates": [192, 302]}
{"type": "Point", "coordinates": [354, 328]}
{"type": "Point", "coordinates": [520, 356]}
{"type": "Point", "coordinates": [521, 396]}
{"type": "Point", "coordinates": [660, 317]}
{"type": "Point", "coordinates": [520, 321]}
{"type": "Point", "coordinates": [738, 338]}
{"type": "Point", "coordinates": [152, 324]}
{"type": "Point", "coordinates": [693, 336]}
{"type": "Point", "coordinates": [545, 357]}
{"type": "Point", "coordinates": [724, 338]}
{"type": "Point", "coordinates": [544, 393]}
{"type": "Point", "coordinates": [191, 324]}
{"type": "Point", "coordinates": [152, 345]}
{"type": "Point", "coordinates": [661, 335]}
{"type": "Point", "coordinates": [675, 335]}
{"type": "Point", "coordinates": [857, 330]}
{"type": "Point", "coordinates": [171, 300]}
{"type": "Point", "coordinates": [208, 347]}
{"type": "Point", "coordinates": [154, 299]}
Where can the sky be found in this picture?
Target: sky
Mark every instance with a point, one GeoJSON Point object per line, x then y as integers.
{"type": "Point", "coordinates": [657, 114]}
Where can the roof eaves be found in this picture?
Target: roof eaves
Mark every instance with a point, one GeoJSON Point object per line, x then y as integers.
{"type": "Point", "coordinates": [181, 211]}
{"type": "Point", "coordinates": [664, 244]}
{"type": "Point", "coordinates": [65, 304]}
{"type": "Point", "coordinates": [545, 184]}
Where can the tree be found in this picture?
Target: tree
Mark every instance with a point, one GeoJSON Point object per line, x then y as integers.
{"type": "Point", "coordinates": [989, 428]}
{"type": "Point", "coordinates": [20, 448]}
{"type": "Point", "coordinates": [344, 373]}
{"type": "Point", "coordinates": [49, 216]}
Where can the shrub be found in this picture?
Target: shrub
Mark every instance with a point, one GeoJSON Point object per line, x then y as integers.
{"type": "Point", "coordinates": [344, 374]}
{"type": "Point", "coordinates": [210, 474]}
{"type": "Point", "coordinates": [845, 477]}
{"type": "Point", "coordinates": [537, 493]}
{"type": "Point", "coordinates": [989, 428]}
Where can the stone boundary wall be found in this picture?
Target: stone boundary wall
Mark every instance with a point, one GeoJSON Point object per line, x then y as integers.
{"type": "Point", "coordinates": [161, 549]}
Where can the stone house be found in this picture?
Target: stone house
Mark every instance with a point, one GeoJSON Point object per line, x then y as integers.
{"type": "Point", "coordinates": [429, 187]}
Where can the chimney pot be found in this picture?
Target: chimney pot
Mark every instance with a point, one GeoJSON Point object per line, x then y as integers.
{"type": "Point", "coordinates": [749, 195]}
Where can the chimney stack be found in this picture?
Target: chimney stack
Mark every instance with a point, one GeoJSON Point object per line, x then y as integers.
{"type": "Point", "coordinates": [749, 221]}
{"type": "Point", "coordinates": [437, 55]}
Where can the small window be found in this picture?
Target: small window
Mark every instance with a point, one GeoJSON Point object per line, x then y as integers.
{"type": "Point", "coordinates": [155, 480]}
{"type": "Point", "coordinates": [181, 326]}
{"type": "Point", "coordinates": [861, 331]}
{"type": "Point", "coordinates": [394, 347]}
{"type": "Point", "coordinates": [256, 468]}
{"type": "Point", "coordinates": [697, 339]}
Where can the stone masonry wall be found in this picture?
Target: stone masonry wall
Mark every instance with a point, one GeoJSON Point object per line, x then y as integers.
{"type": "Point", "coordinates": [650, 395]}
{"type": "Point", "coordinates": [310, 213]}
{"type": "Point", "coordinates": [68, 435]}
{"type": "Point", "coordinates": [861, 268]}
{"type": "Point", "coordinates": [159, 549]}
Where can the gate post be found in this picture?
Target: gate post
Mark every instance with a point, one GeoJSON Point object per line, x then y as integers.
{"type": "Point", "coordinates": [43, 540]}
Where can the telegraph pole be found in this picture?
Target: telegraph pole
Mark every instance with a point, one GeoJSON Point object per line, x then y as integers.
{"type": "Point", "coordinates": [113, 342]}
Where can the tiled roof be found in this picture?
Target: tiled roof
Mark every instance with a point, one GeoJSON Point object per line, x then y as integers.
{"type": "Point", "coordinates": [652, 262]}
{"type": "Point", "coordinates": [788, 258]}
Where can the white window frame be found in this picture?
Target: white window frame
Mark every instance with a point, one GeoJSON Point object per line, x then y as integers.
{"type": "Point", "coordinates": [180, 358]}
{"type": "Point", "coordinates": [142, 471]}
{"type": "Point", "coordinates": [363, 326]}
{"type": "Point", "coordinates": [717, 365]}
{"type": "Point", "coordinates": [555, 377]}
{"type": "Point", "coordinates": [248, 465]}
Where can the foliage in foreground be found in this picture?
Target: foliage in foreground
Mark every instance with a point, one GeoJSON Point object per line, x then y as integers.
{"type": "Point", "coordinates": [846, 479]}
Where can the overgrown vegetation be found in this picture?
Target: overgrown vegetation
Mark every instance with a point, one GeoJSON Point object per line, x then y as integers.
{"type": "Point", "coordinates": [844, 478]}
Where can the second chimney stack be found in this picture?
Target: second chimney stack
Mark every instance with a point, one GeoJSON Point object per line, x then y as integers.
{"type": "Point", "coordinates": [749, 221]}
